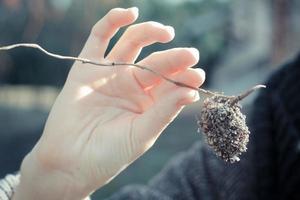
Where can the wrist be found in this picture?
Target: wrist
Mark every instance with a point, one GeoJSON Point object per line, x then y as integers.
{"type": "Point", "coordinates": [40, 182]}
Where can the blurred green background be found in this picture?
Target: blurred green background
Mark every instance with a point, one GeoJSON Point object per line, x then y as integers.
{"type": "Point", "coordinates": [240, 42]}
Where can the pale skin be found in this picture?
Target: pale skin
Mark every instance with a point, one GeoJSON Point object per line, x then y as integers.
{"type": "Point", "coordinates": [106, 117]}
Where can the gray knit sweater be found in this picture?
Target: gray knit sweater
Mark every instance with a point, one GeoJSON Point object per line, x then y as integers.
{"type": "Point", "coordinates": [270, 169]}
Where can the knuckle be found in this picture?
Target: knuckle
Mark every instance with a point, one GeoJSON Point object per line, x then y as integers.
{"type": "Point", "coordinates": [132, 28]}
{"type": "Point", "coordinates": [102, 27]}
{"type": "Point", "coordinates": [109, 19]}
{"type": "Point", "coordinates": [134, 44]}
{"type": "Point", "coordinates": [164, 55]}
{"type": "Point", "coordinates": [94, 29]}
{"type": "Point", "coordinates": [114, 11]}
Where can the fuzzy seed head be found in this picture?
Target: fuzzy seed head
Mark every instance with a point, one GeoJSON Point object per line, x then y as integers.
{"type": "Point", "coordinates": [224, 127]}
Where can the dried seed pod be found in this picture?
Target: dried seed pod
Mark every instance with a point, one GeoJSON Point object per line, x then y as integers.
{"type": "Point", "coordinates": [224, 125]}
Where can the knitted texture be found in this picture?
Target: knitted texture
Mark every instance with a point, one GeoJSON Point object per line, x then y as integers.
{"type": "Point", "coordinates": [276, 125]}
{"type": "Point", "coordinates": [7, 186]}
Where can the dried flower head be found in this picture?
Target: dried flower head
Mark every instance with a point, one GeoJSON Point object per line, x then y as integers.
{"type": "Point", "coordinates": [224, 125]}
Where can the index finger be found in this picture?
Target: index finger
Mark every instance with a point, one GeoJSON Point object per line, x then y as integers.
{"type": "Point", "coordinates": [105, 29]}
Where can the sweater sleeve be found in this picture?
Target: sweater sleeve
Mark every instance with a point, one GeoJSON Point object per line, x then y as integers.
{"type": "Point", "coordinates": [283, 132]}
{"type": "Point", "coordinates": [8, 185]}
{"type": "Point", "coordinates": [172, 182]}
{"type": "Point", "coordinates": [185, 177]}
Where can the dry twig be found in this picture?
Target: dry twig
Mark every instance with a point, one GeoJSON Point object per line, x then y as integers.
{"type": "Point", "coordinates": [84, 60]}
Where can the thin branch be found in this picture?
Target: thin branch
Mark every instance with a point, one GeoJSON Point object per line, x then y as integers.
{"type": "Point", "coordinates": [84, 61]}
{"type": "Point", "coordinates": [36, 46]}
{"type": "Point", "coordinates": [245, 94]}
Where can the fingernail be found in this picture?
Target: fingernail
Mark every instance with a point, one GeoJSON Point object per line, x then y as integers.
{"type": "Point", "coordinates": [190, 97]}
{"type": "Point", "coordinates": [135, 10]}
{"type": "Point", "coordinates": [171, 30]}
{"type": "Point", "coordinates": [195, 52]}
{"type": "Point", "coordinates": [201, 72]}
{"type": "Point", "coordinates": [195, 95]}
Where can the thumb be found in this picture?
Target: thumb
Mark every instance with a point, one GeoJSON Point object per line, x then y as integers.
{"type": "Point", "coordinates": [151, 123]}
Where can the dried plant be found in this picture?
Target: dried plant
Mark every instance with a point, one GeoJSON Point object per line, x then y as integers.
{"type": "Point", "coordinates": [221, 120]}
{"type": "Point", "coordinates": [224, 125]}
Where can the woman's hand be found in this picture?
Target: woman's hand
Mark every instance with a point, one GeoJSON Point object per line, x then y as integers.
{"type": "Point", "coordinates": [106, 117]}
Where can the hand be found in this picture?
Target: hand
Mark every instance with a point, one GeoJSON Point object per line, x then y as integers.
{"type": "Point", "coordinates": [106, 117]}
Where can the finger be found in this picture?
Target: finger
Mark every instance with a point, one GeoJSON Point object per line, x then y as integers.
{"type": "Point", "coordinates": [191, 77]}
{"type": "Point", "coordinates": [105, 29]}
{"type": "Point", "coordinates": [138, 36]}
{"type": "Point", "coordinates": [165, 63]}
{"type": "Point", "coordinates": [151, 123]}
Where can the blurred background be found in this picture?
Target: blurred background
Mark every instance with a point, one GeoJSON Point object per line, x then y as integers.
{"type": "Point", "coordinates": [241, 42]}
